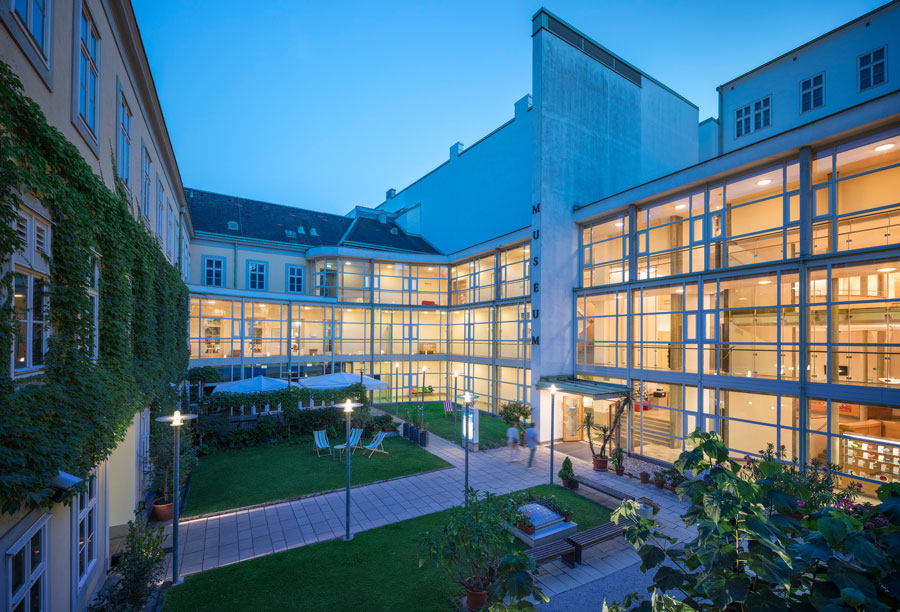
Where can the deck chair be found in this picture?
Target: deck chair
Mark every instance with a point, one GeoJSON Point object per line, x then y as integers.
{"type": "Point", "coordinates": [376, 446]}
{"type": "Point", "coordinates": [320, 441]}
{"type": "Point", "coordinates": [355, 435]}
{"type": "Point", "coordinates": [448, 408]}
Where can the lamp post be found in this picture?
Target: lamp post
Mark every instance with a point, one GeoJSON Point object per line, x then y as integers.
{"type": "Point", "coordinates": [468, 398]}
{"type": "Point", "coordinates": [348, 410]}
{"type": "Point", "coordinates": [455, 380]}
{"type": "Point", "coordinates": [397, 393]}
{"type": "Point", "coordinates": [176, 421]}
{"type": "Point", "coordinates": [552, 423]}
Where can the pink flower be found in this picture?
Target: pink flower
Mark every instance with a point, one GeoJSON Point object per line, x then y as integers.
{"type": "Point", "coordinates": [801, 503]}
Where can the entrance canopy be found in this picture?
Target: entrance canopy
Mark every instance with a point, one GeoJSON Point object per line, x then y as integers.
{"type": "Point", "coordinates": [585, 388]}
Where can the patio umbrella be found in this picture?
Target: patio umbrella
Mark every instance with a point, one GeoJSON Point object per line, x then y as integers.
{"type": "Point", "coordinates": [339, 380]}
{"type": "Point", "coordinates": [251, 385]}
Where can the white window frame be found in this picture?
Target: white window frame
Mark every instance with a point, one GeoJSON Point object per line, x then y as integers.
{"type": "Point", "coordinates": [30, 323]}
{"type": "Point", "coordinates": [123, 140]}
{"type": "Point", "coordinates": [747, 114]}
{"type": "Point", "coordinates": [85, 65]}
{"type": "Point", "coordinates": [160, 208]}
{"type": "Point", "coordinates": [743, 121]}
{"type": "Point", "coordinates": [811, 90]}
{"type": "Point", "coordinates": [27, 23]}
{"type": "Point", "coordinates": [207, 268]}
{"type": "Point", "coordinates": [86, 512]}
{"type": "Point", "coordinates": [32, 575]}
{"type": "Point", "coordinates": [170, 227]}
{"type": "Point", "coordinates": [295, 274]}
{"type": "Point", "coordinates": [146, 182]}
{"type": "Point", "coordinates": [869, 67]}
{"type": "Point", "coordinates": [760, 108]}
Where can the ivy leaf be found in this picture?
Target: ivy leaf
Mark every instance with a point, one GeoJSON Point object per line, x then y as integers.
{"type": "Point", "coordinates": [834, 530]}
{"type": "Point", "coordinates": [890, 508]}
{"type": "Point", "coordinates": [737, 588]}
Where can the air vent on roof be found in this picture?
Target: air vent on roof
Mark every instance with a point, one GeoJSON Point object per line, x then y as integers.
{"type": "Point", "coordinates": [579, 42]}
{"type": "Point", "coordinates": [313, 232]}
{"type": "Point", "coordinates": [233, 225]}
{"type": "Point", "coordinates": [290, 233]}
{"type": "Point", "coordinates": [395, 231]}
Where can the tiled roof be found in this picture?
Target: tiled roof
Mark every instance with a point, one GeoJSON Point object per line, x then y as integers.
{"type": "Point", "coordinates": [213, 213]}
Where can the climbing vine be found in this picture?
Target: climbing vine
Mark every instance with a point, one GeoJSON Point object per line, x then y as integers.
{"type": "Point", "coordinates": [73, 416]}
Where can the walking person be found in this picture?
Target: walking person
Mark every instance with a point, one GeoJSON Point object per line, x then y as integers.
{"type": "Point", "coordinates": [512, 441]}
{"type": "Point", "coordinates": [531, 441]}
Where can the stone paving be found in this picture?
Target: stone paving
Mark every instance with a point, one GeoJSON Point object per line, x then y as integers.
{"type": "Point", "coordinates": [214, 541]}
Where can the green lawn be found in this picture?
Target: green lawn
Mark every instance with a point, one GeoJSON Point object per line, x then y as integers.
{"type": "Point", "coordinates": [490, 429]}
{"type": "Point", "coordinates": [377, 571]}
{"type": "Point", "coordinates": [243, 477]}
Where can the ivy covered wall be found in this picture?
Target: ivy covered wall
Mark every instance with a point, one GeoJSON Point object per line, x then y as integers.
{"type": "Point", "coordinates": [76, 413]}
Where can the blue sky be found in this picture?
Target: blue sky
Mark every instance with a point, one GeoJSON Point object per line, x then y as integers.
{"type": "Point", "coordinates": [326, 105]}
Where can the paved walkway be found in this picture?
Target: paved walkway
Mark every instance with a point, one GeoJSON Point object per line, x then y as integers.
{"type": "Point", "coordinates": [206, 543]}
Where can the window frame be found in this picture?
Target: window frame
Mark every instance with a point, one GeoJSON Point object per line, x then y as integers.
{"type": "Point", "coordinates": [265, 275]}
{"type": "Point", "coordinates": [40, 56]}
{"type": "Point", "coordinates": [123, 136]}
{"type": "Point", "coordinates": [160, 208]}
{"type": "Point", "coordinates": [91, 135]}
{"type": "Point", "coordinates": [29, 321]}
{"type": "Point", "coordinates": [146, 181]}
{"type": "Point", "coordinates": [90, 512]}
{"type": "Point", "coordinates": [289, 269]}
{"type": "Point", "coordinates": [39, 527]}
{"type": "Point", "coordinates": [750, 108]}
{"type": "Point", "coordinates": [859, 69]}
{"type": "Point", "coordinates": [205, 262]}
{"type": "Point", "coordinates": [812, 90]}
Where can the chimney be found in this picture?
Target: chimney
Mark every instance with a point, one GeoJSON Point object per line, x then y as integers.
{"type": "Point", "coordinates": [522, 105]}
{"type": "Point", "coordinates": [390, 193]}
{"type": "Point", "coordinates": [456, 149]}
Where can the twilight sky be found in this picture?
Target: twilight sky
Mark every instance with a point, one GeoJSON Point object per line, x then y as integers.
{"type": "Point", "coordinates": [327, 104]}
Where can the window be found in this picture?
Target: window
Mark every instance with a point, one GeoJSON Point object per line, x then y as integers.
{"type": "Point", "coordinates": [872, 68]}
{"type": "Point", "coordinates": [256, 275]}
{"type": "Point", "coordinates": [762, 116]}
{"type": "Point", "coordinates": [88, 72]}
{"type": "Point", "coordinates": [85, 533]}
{"type": "Point", "coordinates": [742, 121]}
{"type": "Point", "coordinates": [124, 148]}
{"type": "Point", "coordinates": [22, 231]}
{"type": "Point", "coordinates": [146, 174]}
{"type": "Point", "coordinates": [40, 238]}
{"type": "Point", "coordinates": [753, 117]}
{"type": "Point", "coordinates": [34, 15]}
{"type": "Point", "coordinates": [28, 304]}
{"type": "Point", "coordinates": [160, 208]}
{"type": "Point", "coordinates": [170, 228]}
{"type": "Point", "coordinates": [812, 93]}
{"type": "Point", "coordinates": [295, 279]}
{"type": "Point", "coordinates": [214, 271]}
{"type": "Point", "coordinates": [27, 571]}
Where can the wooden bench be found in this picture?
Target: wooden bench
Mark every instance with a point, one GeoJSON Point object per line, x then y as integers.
{"type": "Point", "coordinates": [596, 535]}
{"type": "Point", "coordinates": [603, 489]}
{"type": "Point", "coordinates": [548, 552]}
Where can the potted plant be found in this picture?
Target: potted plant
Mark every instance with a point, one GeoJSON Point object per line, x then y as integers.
{"type": "Point", "coordinates": [567, 474]}
{"type": "Point", "coordinates": [618, 461]}
{"type": "Point", "coordinates": [524, 523]}
{"type": "Point", "coordinates": [659, 479]}
{"type": "Point", "coordinates": [472, 544]}
{"type": "Point", "coordinates": [560, 507]}
{"type": "Point", "coordinates": [645, 477]}
{"type": "Point", "coordinates": [515, 414]}
{"type": "Point", "coordinates": [601, 461]}
{"type": "Point", "coordinates": [164, 467]}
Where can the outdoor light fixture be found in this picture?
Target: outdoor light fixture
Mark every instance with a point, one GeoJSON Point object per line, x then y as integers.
{"type": "Point", "coordinates": [552, 423]}
{"type": "Point", "coordinates": [348, 410]}
{"type": "Point", "coordinates": [885, 147]}
{"type": "Point", "coordinates": [467, 397]}
{"type": "Point", "coordinates": [176, 420]}
{"type": "Point", "coordinates": [764, 182]}
{"type": "Point", "coordinates": [455, 381]}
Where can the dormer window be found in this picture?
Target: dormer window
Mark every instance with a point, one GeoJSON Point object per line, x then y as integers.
{"type": "Point", "coordinates": [290, 233]}
{"type": "Point", "coordinates": [313, 232]}
{"type": "Point", "coordinates": [233, 225]}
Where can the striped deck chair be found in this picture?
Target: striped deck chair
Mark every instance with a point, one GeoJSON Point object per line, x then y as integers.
{"type": "Point", "coordinates": [448, 407]}
{"type": "Point", "coordinates": [376, 446]}
{"type": "Point", "coordinates": [320, 441]}
{"type": "Point", "coordinates": [355, 435]}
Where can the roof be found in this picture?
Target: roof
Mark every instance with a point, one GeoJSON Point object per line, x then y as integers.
{"type": "Point", "coordinates": [586, 388]}
{"type": "Point", "coordinates": [211, 213]}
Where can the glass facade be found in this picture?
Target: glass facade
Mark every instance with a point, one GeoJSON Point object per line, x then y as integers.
{"type": "Point", "coordinates": [753, 317]}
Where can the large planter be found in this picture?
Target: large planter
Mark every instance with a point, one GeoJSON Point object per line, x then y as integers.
{"type": "Point", "coordinates": [413, 434]}
{"type": "Point", "coordinates": [529, 529]}
{"type": "Point", "coordinates": [163, 512]}
{"type": "Point", "coordinates": [423, 438]}
{"type": "Point", "coordinates": [389, 429]}
{"type": "Point", "coordinates": [476, 600]}
{"type": "Point", "coordinates": [570, 483]}
{"type": "Point", "coordinates": [601, 465]}
{"type": "Point", "coordinates": [620, 471]}
{"type": "Point", "coordinates": [406, 430]}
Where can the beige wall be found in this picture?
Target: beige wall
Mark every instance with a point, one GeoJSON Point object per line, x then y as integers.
{"type": "Point", "coordinates": [276, 273]}
{"type": "Point", "coordinates": [124, 487]}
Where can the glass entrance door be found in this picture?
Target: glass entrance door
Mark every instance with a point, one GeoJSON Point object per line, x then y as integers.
{"type": "Point", "coordinates": [573, 415]}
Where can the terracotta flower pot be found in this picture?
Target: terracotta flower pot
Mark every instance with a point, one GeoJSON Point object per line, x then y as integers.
{"type": "Point", "coordinates": [476, 600]}
{"type": "Point", "coordinates": [671, 488]}
{"type": "Point", "coordinates": [567, 517]}
{"type": "Point", "coordinates": [620, 471]}
{"type": "Point", "coordinates": [659, 485]}
{"type": "Point", "coordinates": [601, 465]}
{"type": "Point", "coordinates": [163, 512]}
{"type": "Point", "coordinates": [645, 478]}
{"type": "Point", "coordinates": [570, 483]}
{"type": "Point", "coordinates": [528, 529]}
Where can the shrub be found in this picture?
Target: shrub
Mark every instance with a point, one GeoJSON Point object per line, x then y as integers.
{"type": "Point", "coordinates": [514, 413]}
{"type": "Point", "coordinates": [566, 473]}
{"type": "Point", "coordinates": [139, 571]}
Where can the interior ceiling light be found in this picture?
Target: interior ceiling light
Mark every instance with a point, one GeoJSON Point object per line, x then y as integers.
{"type": "Point", "coordinates": [762, 182]}
{"type": "Point", "coordinates": [885, 147]}
{"type": "Point", "coordinates": [619, 224]}
{"type": "Point", "coordinates": [885, 269]}
{"type": "Point", "coordinates": [765, 282]}
{"type": "Point", "coordinates": [680, 206]}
